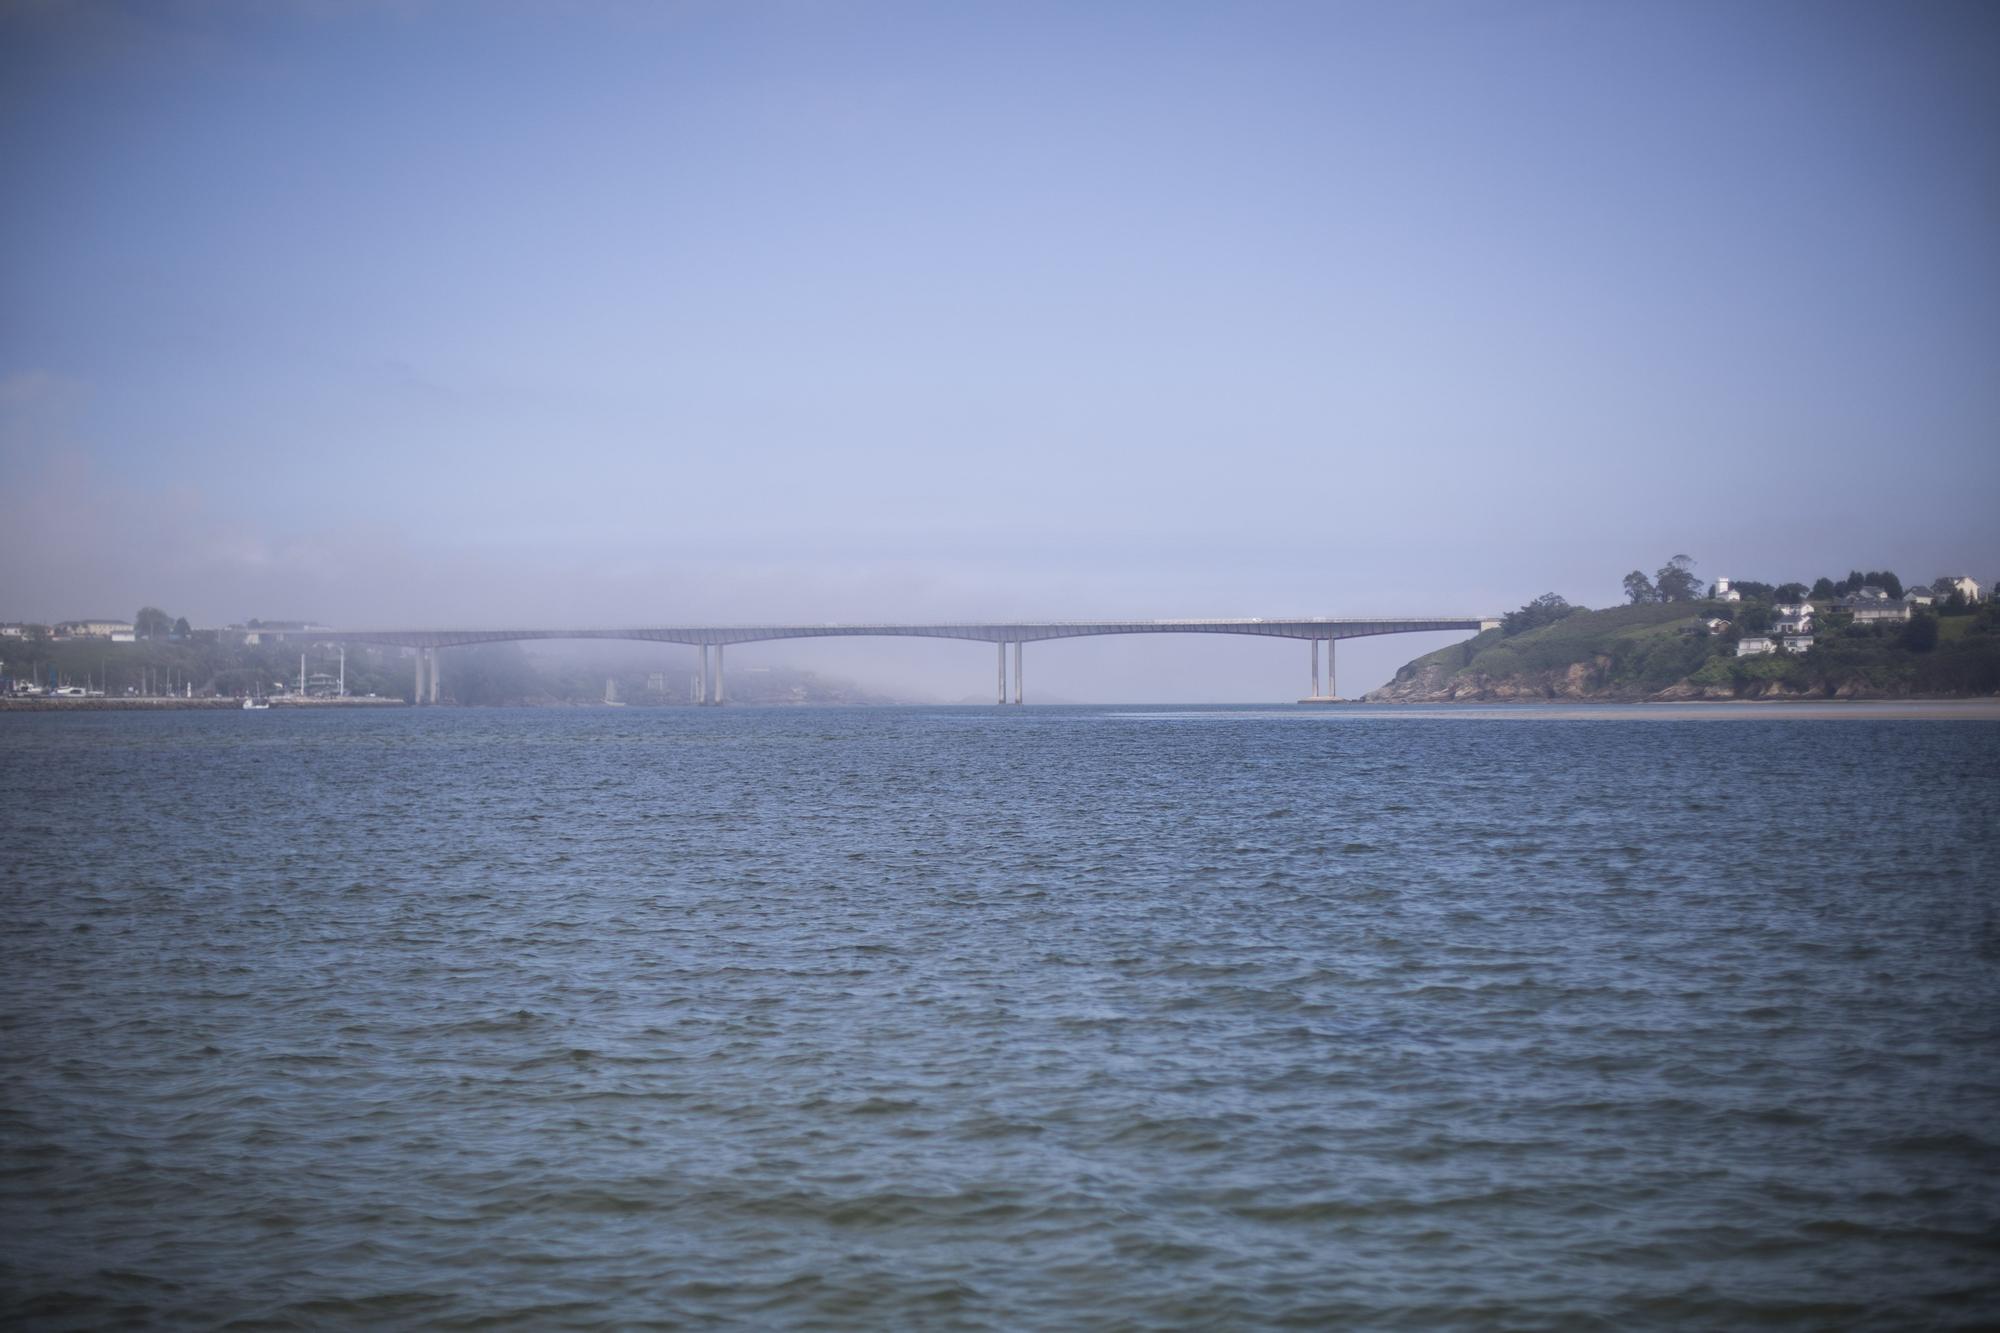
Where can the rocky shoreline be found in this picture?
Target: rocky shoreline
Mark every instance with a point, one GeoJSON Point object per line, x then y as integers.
{"type": "Point", "coordinates": [1586, 682]}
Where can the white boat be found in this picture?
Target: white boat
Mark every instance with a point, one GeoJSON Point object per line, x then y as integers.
{"type": "Point", "coordinates": [256, 704]}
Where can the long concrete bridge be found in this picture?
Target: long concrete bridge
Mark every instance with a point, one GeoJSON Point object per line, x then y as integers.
{"type": "Point", "coordinates": [1314, 630]}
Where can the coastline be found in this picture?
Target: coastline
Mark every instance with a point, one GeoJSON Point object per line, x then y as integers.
{"type": "Point", "coordinates": [1984, 708]}
{"type": "Point", "coordinates": [44, 704]}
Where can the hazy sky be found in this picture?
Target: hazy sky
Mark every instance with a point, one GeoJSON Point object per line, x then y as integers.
{"type": "Point", "coordinates": [478, 313]}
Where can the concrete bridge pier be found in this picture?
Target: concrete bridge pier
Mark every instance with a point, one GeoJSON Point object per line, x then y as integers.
{"type": "Point", "coordinates": [1017, 672]}
{"type": "Point", "coordinates": [718, 675]}
{"type": "Point", "coordinates": [432, 653]}
{"type": "Point", "coordinates": [702, 701]}
{"type": "Point", "coordinates": [1003, 671]}
{"type": "Point", "coordinates": [417, 695]}
{"type": "Point", "coordinates": [1331, 694]}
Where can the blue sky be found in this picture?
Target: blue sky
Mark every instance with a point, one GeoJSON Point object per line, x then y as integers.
{"type": "Point", "coordinates": [635, 313]}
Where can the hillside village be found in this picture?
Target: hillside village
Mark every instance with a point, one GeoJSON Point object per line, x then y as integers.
{"type": "Point", "coordinates": [1791, 622]}
{"type": "Point", "coordinates": [1866, 636]}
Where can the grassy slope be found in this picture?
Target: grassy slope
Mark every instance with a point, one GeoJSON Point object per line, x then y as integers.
{"type": "Point", "coordinates": [1649, 650]}
{"type": "Point", "coordinates": [1646, 644]}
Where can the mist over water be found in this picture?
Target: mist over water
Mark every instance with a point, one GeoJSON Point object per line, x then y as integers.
{"type": "Point", "coordinates": [978, 1019]}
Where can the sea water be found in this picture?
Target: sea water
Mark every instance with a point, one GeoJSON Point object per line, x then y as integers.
{"type": "Point", "coordinates": [999, 1018]}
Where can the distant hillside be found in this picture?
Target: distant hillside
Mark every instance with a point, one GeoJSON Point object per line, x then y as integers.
{"type": "Point", "coordinates": [1665, 651]}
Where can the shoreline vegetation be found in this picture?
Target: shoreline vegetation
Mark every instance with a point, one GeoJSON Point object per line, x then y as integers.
{"type": "Point", "coordinates": [1684, 646]}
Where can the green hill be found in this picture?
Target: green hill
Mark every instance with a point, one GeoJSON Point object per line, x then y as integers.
{"type": "Point", "coordinates": [1665, 651]}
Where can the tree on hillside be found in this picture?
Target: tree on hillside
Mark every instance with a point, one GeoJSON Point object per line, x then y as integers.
{"type": "Point", "coordinates": [1920, 635]}
{"type": "Point", "coordinates": [1887, 581]}
{"type": "Point", "coordinates": [1791, 592]}
{"type": "Point", "coordinates": [1544, 610]}
{"type": "Point", "coordinates": [151, 622]}
{"type": "Point", "coordinates": [1822, 589]}
{"type": "Point", "coordinates": [1639, 588]}
{"type": "Point", "coordinates": [182, 629]}
{"type": "Point", "coordinates": [1675, 581]}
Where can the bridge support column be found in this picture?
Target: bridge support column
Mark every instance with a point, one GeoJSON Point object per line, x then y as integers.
{"type": "Point", "coordinates": [1315, 655]}
{"type": "Point", "coordinates": [434, 675]}
{"type": "Point", "coordinates": [703, 699]}
{"type": "Point", "coordinates": [718, 675]}
{"type": "Point", "coordinates": [1003, 671]}
{"type": "Point", "coordinates": [1017, 671]}
{"type": "Point", "coordinates": [1331, 692]}
{"type": "Point", "coordinates": [417, 695]}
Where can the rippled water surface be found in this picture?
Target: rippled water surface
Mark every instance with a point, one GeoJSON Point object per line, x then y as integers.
{"type": "Point", "coordinates": [964, 1018]}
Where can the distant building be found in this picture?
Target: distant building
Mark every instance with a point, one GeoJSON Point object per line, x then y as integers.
{"type": "Point", "coordinates": [1717, 625]}
{"type": "Point", "coordinates": [93, 629]}
{"type": "Point", "coordinates": [1867, 611]}
{"type": "Point", "coordinates": [1793, 618]}
{"type": "Point", "coordinates": [1798, 643]}
{"type": "Point", "coordinates": [1964, 584]}
{"type": "Point", "coordinates": [1758, 647]}
{"type": "Point", "coordinates": [13, 631]}
{"type": "Point", "coordinates": [1725, 593]}
{"type": "Point", "coordinates": [272, 631]}
{"type": "Point", "coordinates": [1920, 597]}
{"type": "Point", "coordinates": [1869, 592]}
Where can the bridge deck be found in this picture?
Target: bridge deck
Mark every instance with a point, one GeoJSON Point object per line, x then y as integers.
{"type": "Point", "coordinates": [976, 631]}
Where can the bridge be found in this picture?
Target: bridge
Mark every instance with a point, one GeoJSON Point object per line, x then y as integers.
{"type": "Point", "coordinates": [426, 643]}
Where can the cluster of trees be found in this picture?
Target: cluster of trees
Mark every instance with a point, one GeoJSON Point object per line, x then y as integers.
{"type": "Point", "coordinates": [1544, 610]}
{"type": "Point", "coordinates": [153, 623]}
{"type": "Point", "coordinates": [1671, 582]}
{"type": "Point", "coordinates": [1855, 581]}
{"type": "Point", "coordinates": [1675, 582]}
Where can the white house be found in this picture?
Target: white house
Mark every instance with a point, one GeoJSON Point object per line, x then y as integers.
{"type": "Point", "coordinates": [1798, 643]}
{"type": "Point", "coordinates": [1725, 593]}
{"type": "Point", "coordinates": [1870, 612]}
{"type": "Point", "coordinates": [1793, 618]}
{"type": "Point", "coordinates": [1964, 584]}
{"type": "Point", "coordinates": [1716, 625]}
{"type": "Point", "coordinates": [1920, 597]}
{"type": "Point", "coordinates": [1759, 647]}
